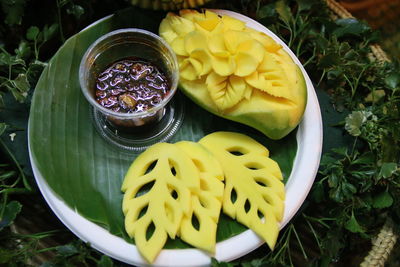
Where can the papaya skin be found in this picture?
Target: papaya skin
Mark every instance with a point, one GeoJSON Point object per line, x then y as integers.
{"type": "Point", "coordinates": [274, 117]}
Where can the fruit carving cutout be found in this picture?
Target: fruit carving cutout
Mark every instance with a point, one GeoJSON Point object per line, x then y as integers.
{"type": "Point", "coordinates": [236, 72]}
{"type": "Point", "coordinates": [178, 190]}
{"type": "Point", "coordinates": [157, 190]}
{"type": "Point", "coordinates": [199, 227]}
{"type": "Point", "coordinates": [254, 192]}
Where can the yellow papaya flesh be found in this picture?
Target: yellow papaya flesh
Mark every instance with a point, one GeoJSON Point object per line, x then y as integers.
{"type": "Point", "coordinates": [242, 74]}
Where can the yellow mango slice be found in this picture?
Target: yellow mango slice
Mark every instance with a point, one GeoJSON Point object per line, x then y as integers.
{"type": "Point", "coordinates": [274, 96]}
{"type": "Point", "coordinates": [195, 66]}
{"type": "Point", "coordinates": [189, 68]}
{"type": "Point", "coordinates": [174, 26]}
{"type": "Point", "coordinates": [232, 23]}
{"type": "Point", "coordinates": [254, 191]}
{"type": "Point", "coordinates": [225, 91]}
{"type": "Point", "coordinates": [232, 39]}
{"type": "Point", "coordinates": [271, 78]}
{"type": "Point", "coordinates": [269, 44]}
{"type": "Point", "coordinates": [199, 228]}
{"type": "Point", "coordinates": [196, 41]}
{"type": "Point", "coordinates": [245, 64]}
{"type": "Point", "coordinates": [178, 45]}
{"type": "Point", "coordinates": [171, 176]}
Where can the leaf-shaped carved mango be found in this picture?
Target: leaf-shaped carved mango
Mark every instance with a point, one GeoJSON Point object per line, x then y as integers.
{"type": "Point", "coordinates": [171, 176]}
{"type": "Point", "coordinates": [225, 91]}
{"type": "Point", "coordinates": [254, 191]}
{"type": "Point", "coordinates": [199, 228]}
{"type": "Point", "coordinates": [271, 78]}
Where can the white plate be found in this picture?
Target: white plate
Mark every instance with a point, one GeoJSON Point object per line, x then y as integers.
{"type": "Point", "coordinates": [309, 138]}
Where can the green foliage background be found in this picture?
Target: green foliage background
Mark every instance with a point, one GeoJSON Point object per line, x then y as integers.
{"type": "Point", "coordinates": [355, 192]}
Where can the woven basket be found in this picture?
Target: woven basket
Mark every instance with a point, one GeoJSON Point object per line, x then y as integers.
{"type": "Point", "coordinates": [378, 13]}
{"type": "Point", "coordinates": [382, 15]}
{"type": "Point", "coordinates": [383, 243]}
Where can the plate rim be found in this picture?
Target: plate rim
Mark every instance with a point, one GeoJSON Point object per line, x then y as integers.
{"type": "Point", "coordinates": [226, 249]}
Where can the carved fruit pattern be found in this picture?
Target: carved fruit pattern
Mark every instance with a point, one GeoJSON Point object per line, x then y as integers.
{"type": "Point", "coordinates": [234, 59]}
{"type": "Point", "coordinates": [157, 190]}
{"type": "Point", "coordinates": [199, 227]}
{"type": "Point", "coordinates": [254, 191]}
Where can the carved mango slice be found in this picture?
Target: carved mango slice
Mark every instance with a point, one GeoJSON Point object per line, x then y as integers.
{"type": "Point", "coordinates": [271, 78]}
{"type": "Point", "coordinates": [225, 91]}
{"type": "Point", "coordinates": [175, 26]}
{"type": "Point", "coordinates": [235, 53]}
{"type": "Point", "coordinates": [157, 190]}
{"type": "Point", "coordinates": [195, 66]}
{"type": "Point", "coordinates": [275, 96]}
{"type": "Point", "coordinates": [206, 22]}
{"type": "Point", "coordinates": [232, 23]}
{"type": "Point", "coordinates": [199, 227]}
{"type": "Point", "coordinates": [269, 44]}
{"type": "Point", "coordinates": [254, 191]}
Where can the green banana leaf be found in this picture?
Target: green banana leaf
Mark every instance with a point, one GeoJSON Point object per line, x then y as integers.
{"type": "Point", "coordinates": [79, 165]}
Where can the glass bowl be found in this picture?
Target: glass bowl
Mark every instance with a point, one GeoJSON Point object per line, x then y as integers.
{"type": "Point", "coordinates": [139, 129]}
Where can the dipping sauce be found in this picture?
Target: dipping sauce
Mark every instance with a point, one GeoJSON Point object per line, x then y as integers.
{"type": "Point", "coordinates": [131, 85]}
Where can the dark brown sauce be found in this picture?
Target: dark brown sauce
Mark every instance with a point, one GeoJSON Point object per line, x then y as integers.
{"type": "Point", "coordinates": [131, 85]}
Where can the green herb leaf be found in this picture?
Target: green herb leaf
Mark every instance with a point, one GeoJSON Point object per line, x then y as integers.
{"type": "Point", "coordinates": [305, 5]}
{"type": "Point", "coordinates": [382, 200]}
{"type": "Point", "coordinates": [21, 83]}
{"type": "Point", "coordinates": [23, 51]}
{"type": "Point", "coordinates": [32, 33]}
{"type": "Point", "coordinates": [10, 213]}
{"type": "Point", "coordinates": [318, 193]}
{"type": "Point", "coordinates": [350, 27]}
{"type": "Point", "coordinates": [392, 81]}
{"type": "Point", "coordinates": [329, 60]}
{"type": "Point", "coordinates": [355, 120]}
{"type": "Point", "coordinates": [341, 151]}
{"type": "Point", "coordinates": [388, 169]}
{"type": "Point", "coordinates": [105, 262]}
{"type": "Point", "coordinates": [49, 32]}
{"type": "Point", "coordinates": [7, 174]}
{"type": "Point", "coordinates": [267, 12]}
{"type": "Point", "coordinates": [353, 226]}
{"type": "Point", "coordinates": [284, 11]}
{"type": "Point", "coordinates": [67, 250]}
